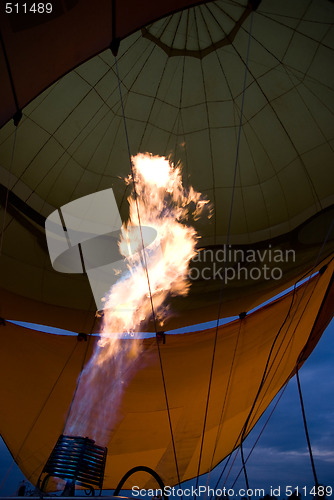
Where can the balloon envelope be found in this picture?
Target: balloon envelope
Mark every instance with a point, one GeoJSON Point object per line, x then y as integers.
{"type": "Point", "coordinates": [241, 95]}
{"type": "Point", "coordinates": [42, 369]}
{"type": "Point", "coordinates": [187, 95]}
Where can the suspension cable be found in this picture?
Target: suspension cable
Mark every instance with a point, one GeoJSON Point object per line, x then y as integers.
{"type": "Point", "coordinates": [227, 242]}
{"type": "Point", "coordinates": [266, 368]}
{"type": "Point", "coordinates": [260, 434]}
{"type": "Point", "coordinates": [316, 263]}
{"type": "Point", "coordinates": [7, 190]}
{"type": "Point", "coordinates": [146, 272]}
{"type": "Point", "coordinates": [294, 313]}
{"type": "Point", "coordinates": [261, 385]}
{"type": "Point", "coordinates": [241, 433]}
{"type": "Point", "coordinates": [224, 403]}
{"type": "Point", "coordinates": [306, 428]}
{"type": "Point", "coordinates": [18, 115]}
{"type": "Point", "coordinates": [80, 375]}
{"type": "Point", "coordinates": [39, 414]}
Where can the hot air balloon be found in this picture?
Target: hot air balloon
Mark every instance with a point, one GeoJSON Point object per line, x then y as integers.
{"type": "Point", "coordinates": [241, 95]}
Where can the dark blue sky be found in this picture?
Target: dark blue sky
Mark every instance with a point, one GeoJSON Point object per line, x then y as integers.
{"type": "Point", "coordinates": [280, 457]}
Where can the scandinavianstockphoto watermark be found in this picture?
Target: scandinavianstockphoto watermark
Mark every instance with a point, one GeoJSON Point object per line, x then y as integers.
{"type": "Point", "coordinates": [228, 263]}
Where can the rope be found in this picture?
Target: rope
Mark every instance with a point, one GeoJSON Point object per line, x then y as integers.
{"type": "Point", "coordinates": [7, 191]}
{"type": "Point", "coordinates": [292, 317]}
{"type": "Point", "coordinates": [224, 403]}
{"type": "Point", "coordinates": [9, 470]}
{"type": "Point", "coordinates": [244, 465]}
{"type": "Point", "coordinates": [80, 375]}
{"type": "Point", "coordinates": [260, 434]}
{"type": "Point", "coordinates": [227, 242]}
{"type": "Point", "coordinates": [18, 115]}
{"type": "Point", "coordinates": [262, 382]}
{"type": "Point", "coordinates": [242, 431]}
{"type": "Point", "coordinates": [147, 274]}
{"type": "Point", "coordinates": [316, 262]}
{"type": "Point", "coordinates": [293, 332]}
{"type": "Point", "coordinates": [252, 449]}
{"type": "Point", "coordinates": [38, 415]}
{"type": "Point", "coordinates": [306, 428]}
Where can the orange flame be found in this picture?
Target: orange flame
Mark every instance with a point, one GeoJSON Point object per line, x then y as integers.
{"type": "Point", "coordinates": [154, 272]}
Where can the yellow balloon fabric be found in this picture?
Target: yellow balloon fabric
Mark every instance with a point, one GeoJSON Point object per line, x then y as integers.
{"type": "Point", "coordinates": [41, 371]}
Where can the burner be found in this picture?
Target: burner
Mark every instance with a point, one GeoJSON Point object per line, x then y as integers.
{"type": "Point", "coordinates": [77, 460]}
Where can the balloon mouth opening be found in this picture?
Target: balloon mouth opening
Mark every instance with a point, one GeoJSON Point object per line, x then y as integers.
{"type": "Point", "coordinates": [75, 460]}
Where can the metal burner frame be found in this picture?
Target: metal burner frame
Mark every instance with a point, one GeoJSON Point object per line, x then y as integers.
{"type": "Point", "coordinates": [76, 460]}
